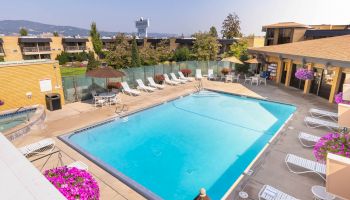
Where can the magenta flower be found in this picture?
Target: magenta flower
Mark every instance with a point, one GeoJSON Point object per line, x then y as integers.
{"type": "Point", "coordinates": [334, 143]}
{"type": "Point", "coordinates": [2, 102]}
{"type": "Point", "coordinates": [339, 99]}
{"type": "Point", "coordinates": [74, 183]}
{"type": "Point", "coordinates": [304, 74]}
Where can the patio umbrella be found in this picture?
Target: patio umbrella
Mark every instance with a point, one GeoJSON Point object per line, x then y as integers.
{"type": "Point", "coordinates": [105, 72]}
{"type": "Point", "coordinates": [233, 59]}
{"type": "Point", "coordinates": [252, 61]}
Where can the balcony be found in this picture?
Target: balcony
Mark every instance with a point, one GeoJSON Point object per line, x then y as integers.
{"type": "Point", "coordinates": [36, 50]}
{"type": "Point", "coordinates": [75, 49]}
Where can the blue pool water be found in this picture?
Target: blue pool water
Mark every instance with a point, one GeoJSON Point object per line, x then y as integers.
{"type": "Point", "coordinates": [11, 120]}
{"type": "Point", "coordinates": [176, 148]}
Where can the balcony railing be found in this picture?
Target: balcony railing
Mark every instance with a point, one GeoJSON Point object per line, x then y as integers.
{"type": "Point", "coordinates": [75, 48]}
{"type": "Point", "coordinates": [35, 49]}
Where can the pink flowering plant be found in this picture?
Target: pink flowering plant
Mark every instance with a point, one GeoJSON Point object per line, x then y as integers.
{"type": "Point", "coordinates": [339, 99]}
{"type": "Point", "coordinates": [2, 102]}
{"type": "Point", "coordinates": [332, 143]}
{"type": "Point", "coordinates": [304, 74]}
{"type": "Point", "coordinates": [73, 183]}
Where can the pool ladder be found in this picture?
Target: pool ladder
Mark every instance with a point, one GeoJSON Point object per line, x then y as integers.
{"type": "Point", "coordinates": [20, 108]}
{"type": "Point", "coordinates": [123, 108]}
{"type": "Point", "coordinates": [199, 87]}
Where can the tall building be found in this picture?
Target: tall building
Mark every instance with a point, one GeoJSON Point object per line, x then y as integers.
{"type": "Point", "coordinates": [142, 25]}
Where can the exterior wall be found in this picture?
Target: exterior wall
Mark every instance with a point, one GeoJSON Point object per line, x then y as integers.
{"type": "Point", "coordinates": [298, 34]}
{"type": "Point", "coordinates": [338, 175]}
{"type": "Point", "coordinates": [256, 41]}
{"type": "Point", "coordinates": [18, 79]}
{"type": "Point", "coordinates": [56, 47]}
{"type": "Point", "coordinates": [11, 48]}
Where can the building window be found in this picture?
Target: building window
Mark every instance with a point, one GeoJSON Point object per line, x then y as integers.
{"type": "Point", "coordinates": [284, 36]}
{"type": "Point", "coordinates": [270, 36]}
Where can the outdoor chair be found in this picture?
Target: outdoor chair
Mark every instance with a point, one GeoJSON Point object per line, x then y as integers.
{"type": "Point", "coordinates": [198, 75]}
{"type": "Point", "coordinates": [318, 113]}
{"type": "Point", "coordinates": [308, 166]}
{"type": "Point", "coordinates": [182, 77]}
{"type": "Point", "coordinates": [142, 86]}
{"type": "Point", "coordinates": [316, 122]}
{"type": "Point", "coordinates": [154, 84]}
{"type": "Point", "coordinates": [41, 147]}
{"type": "Point", "coordinates": [247, 79]}
{"type": "Point", "coordinates": [174, 78]}
{"type": "Point", "coordinates": [168, 81]}
{"type": "Point", "coordinates": [308, 140]}
{"type": "Point", "coordinates": [128, 90]}
{"type": "Point", "coordinates": [268, 192]}
{"type": "Point", "coordinates": [79, 165]}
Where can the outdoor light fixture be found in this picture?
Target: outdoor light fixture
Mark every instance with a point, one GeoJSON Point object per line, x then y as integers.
{"type": "Point", "coordinates": [29, 95]}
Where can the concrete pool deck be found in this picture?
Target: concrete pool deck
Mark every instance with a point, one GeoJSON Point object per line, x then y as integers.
{"type": "Point", "coordinates": [269, 168]}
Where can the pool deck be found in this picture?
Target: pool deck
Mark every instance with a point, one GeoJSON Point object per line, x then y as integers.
{"type": "Point", "coordinates": [268, 169]}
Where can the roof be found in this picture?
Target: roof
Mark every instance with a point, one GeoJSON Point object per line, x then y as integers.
{"type": "Point", "coordinates": [333, 51]}
{"type": "Point", "coordinates": [184, 40]}
{"type": "Point", "coordinates": [33, 40]}
{"type": "Point", "coordinates": [233, 59]}
{"type": "Point", "coordinates": [285, 25]}
{"type": "Point", "coordinates": [74, 39]}
{"type": "Point", "coordinates": [107, 39]}
{"type": "Point", "coordinates": [226, 41]}
{"type": "Point", "coordinates": [326, 33]}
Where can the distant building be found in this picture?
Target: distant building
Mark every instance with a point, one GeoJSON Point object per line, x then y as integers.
{"type": "Point", "coordinates": [142, 25]}
{"type": "Point", "coordinates": [289, 32]}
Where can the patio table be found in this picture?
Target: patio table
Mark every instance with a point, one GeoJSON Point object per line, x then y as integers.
{"type": "Point", "coordinates": [320, 193]}
{"type": "Point", "coordinates": [107, 95]}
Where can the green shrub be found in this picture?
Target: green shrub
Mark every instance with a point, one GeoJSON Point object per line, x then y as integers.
{"type": "Point", "coordinates": [63, 58]}
{"type": "Point", "coordinates": [182, 54]}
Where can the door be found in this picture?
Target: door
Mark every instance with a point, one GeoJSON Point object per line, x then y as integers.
{"type": "Point", "coordinates": [284, 72]}
{"type": "Point", "coordinates": [294, 81]}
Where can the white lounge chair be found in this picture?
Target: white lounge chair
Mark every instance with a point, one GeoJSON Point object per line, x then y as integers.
{"type": "Point", "coordinates": [183, 77]}
{"type": "Point", "coordinates": [79, 165]}
{"type": "Point", "coordinates": [41, 147]}
{"type": "Point", "coordinates": [308, 166]}
{"type": "Point", "coordinates": [316, 122]}
{"type": "Point", "coordinates": [211, 75]}
{"type": "Point", "coordinates": [198, 75]}
{"type": "Point", "coordinates": [154, 84]}
{"type": "Point", "coordinates": [174, 78]}
{"type": "Point", "coordinates": [268, 192]}
{"type": "Point", "coordinates": [126, 89]}
{"type": "Point", "coordinates": [308, 140]}
{"type": "Point", "coordinates": [315, 112]}
{"type": "Point", "coordinates": [142, 86]}
{"type": "Point", "coordinates": [168, 81]}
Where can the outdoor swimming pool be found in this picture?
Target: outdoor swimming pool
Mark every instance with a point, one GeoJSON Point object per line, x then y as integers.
{"type": "Point", "coordinates": [174, 149]}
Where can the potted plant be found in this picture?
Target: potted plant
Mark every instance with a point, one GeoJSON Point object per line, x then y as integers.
{"type": "Point", "coordinates": [159, 78]}
{"type": "Point", "coordinates": [334, 143]}
{"type": "Point", "coordinates": [338, 98]}
{"type": "Point", "coordinates": [114, 85]}
{"type": "Point", "coordinates": [225, 71]}
{"type": "Point", "coordinates": [304, 74]}
{"type": "Point", "coordinates": [73, 183]}
{"type": "Point", "coordinates": [186, 72]}
{"type": "Point", "coordinates": [2, 102]}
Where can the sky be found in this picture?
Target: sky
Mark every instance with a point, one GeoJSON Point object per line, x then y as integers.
{"type": "Point", "coordinates": [176, 16]}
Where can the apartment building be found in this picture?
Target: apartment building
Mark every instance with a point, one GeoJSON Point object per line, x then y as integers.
{"type": "Point", "coordinates": [289, 32]}
{"type": "Point", "coordinates": [14, 48]}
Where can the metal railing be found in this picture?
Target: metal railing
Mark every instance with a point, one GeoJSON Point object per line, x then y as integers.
{"type": "Point", "coordinates": [36, 49]}
{"type": "Point", "coordinates": [74, 48]}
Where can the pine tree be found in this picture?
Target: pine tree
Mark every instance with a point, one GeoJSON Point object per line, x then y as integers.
{"type": "Point", "coordinates": [96, 39]}
{"type": "Point", "coordinates": [231, 27]}
{"type": "Point", "coordinates": [213, 32]}
{"type": "Point", "coordinates": [23, 32]}
{"type": "Point", "coordinates": [135, 57]}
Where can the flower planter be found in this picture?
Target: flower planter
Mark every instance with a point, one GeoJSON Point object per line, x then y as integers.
{"type": "Point", "coordinates": [304, 74]}
{"type": "Point", "coordinates": [344, 115]}
{"type": "Point", "coordinates": [332, 143]}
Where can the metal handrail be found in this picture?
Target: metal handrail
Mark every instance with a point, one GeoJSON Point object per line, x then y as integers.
{"type": "Point", "coordinates": [73, 48]}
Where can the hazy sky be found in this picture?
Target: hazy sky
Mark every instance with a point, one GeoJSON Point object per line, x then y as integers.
{"type": "Point", "coordinates": [176, 16]}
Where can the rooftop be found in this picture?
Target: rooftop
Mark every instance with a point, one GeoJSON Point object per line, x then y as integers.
{"type": "Point", "coordinates": [333, 50]}
{"type": "Point", "coordinates": [285, 25]}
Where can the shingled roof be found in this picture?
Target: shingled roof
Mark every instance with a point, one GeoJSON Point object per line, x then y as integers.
{"type": "Point", "coordinates": [334, 50]}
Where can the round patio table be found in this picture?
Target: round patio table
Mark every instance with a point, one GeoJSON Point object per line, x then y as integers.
{"type": "Point", "coordinates": [107, 95]}
{"type": "Point", "coordinates": [320, 192]}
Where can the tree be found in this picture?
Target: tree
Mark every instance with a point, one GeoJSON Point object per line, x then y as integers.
{"type": "Point", "coordinates": [23, 32]}
{"type": "Point", "coordinates": [231, 26]}
{"type": "Point", "coordinates": [148, 56]}
{"type": "Point", "coordinates": [182, 54]}
{"type": "Point", "coordinates": [205, 47]}
{"type": "Point", "coordinates": [119, 55]}
{"type": "Point", "coordinates": [163, 51]}
{"type": "Point", "coordinates": [135, 57]}
{"type": "Point", "coordinates": [92, 62]}
{"type": "Point", "coordinates": [55, 34]}
{"type": "Point", "coordinates": [240, 51]}
{"type": "Point", "coordinates": [213, 32]}
{"type": "Point", "coordinates": [96, 39]}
